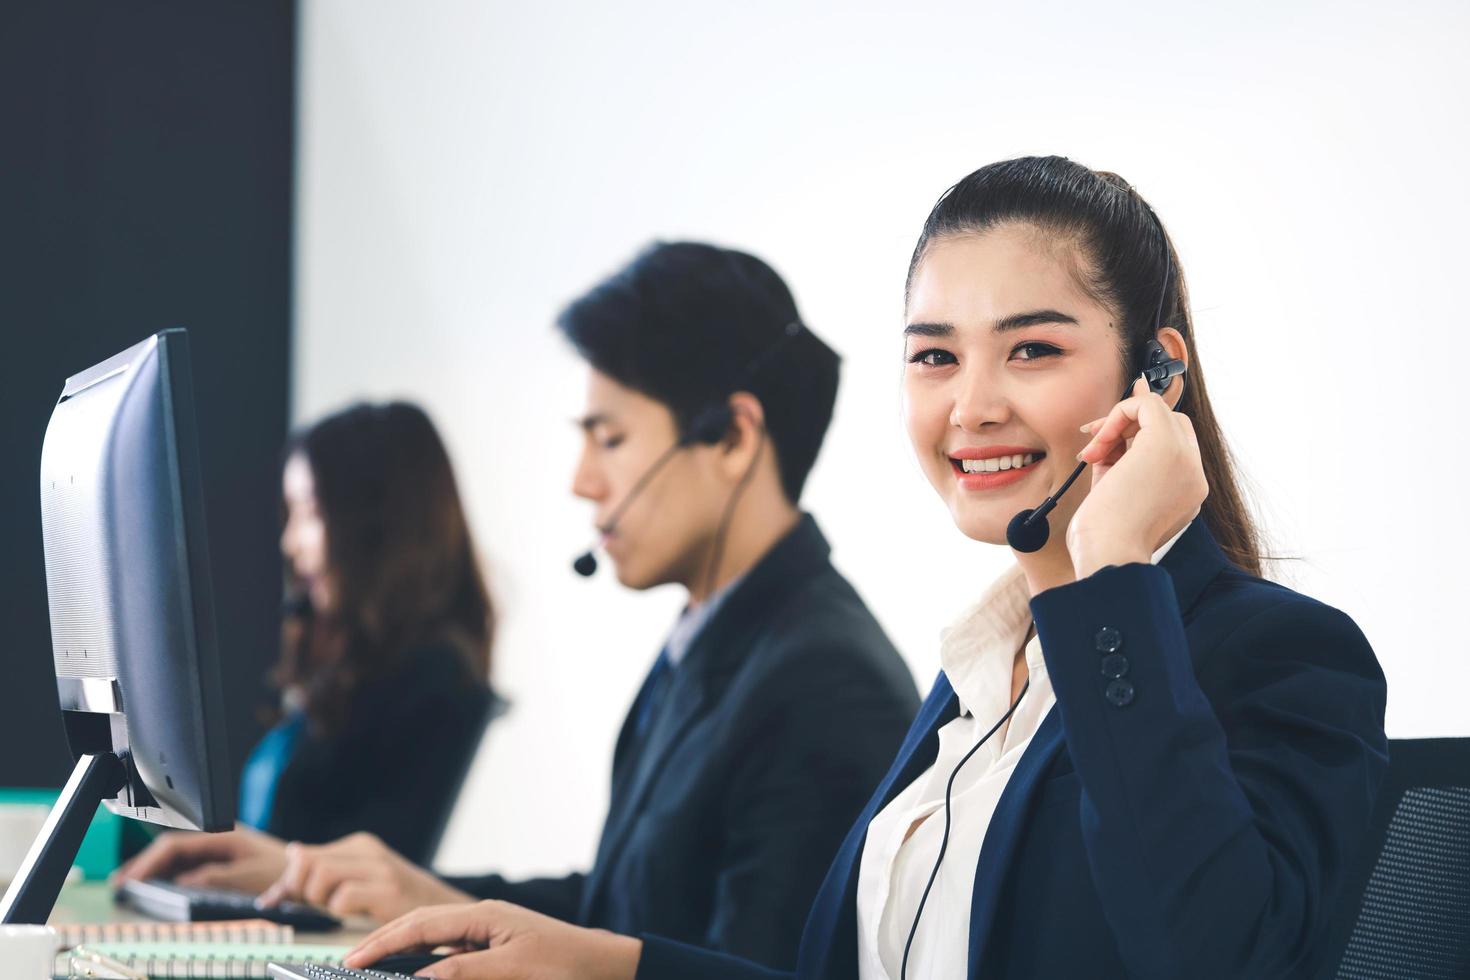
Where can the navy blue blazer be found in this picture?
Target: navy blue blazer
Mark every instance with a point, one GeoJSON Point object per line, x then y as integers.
{"type": "Point", "coordinates": [1188, 808]}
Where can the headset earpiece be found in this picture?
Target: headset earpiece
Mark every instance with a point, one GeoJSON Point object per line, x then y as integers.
{"type": "Point", "coordinates": [1159, 369]}
{"type": "Point", "coordinates": [710, 426]}
{"type": "Point", "coordinates": [713, 422]}
{"type": "Point", "coordinates": [1154, 353]}
{"type": "Point", "coordinates": [1028, 531]}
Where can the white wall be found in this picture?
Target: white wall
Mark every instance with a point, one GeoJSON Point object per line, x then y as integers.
{"type": "Point", "coordinates": [467, 167]}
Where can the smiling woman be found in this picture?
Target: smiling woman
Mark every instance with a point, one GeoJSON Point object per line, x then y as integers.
{"type": "Point", "coordinates": [1065, 285]}
{"type": "Point", "coordinates": [1136, 743]}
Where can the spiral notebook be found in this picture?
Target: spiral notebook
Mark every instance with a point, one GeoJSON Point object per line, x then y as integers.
{"type": "Point", "coordinates": [253, 931]}
{"type": "Point", "coordinates": [196, 961]}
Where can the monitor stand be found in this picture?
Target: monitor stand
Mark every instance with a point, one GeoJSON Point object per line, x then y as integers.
{"type": "Point", "coordinates": [32, 894]}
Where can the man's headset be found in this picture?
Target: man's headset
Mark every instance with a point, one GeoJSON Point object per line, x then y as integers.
{"type": "Point", "coordinates": [1028, 532]}
{"type": "Point", "coordinates": [708, 427]}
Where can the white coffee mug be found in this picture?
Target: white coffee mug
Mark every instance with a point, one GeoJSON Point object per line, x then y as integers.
{"type": "Point", "coordinates": [27, 952]}
{"type": "Point", "coordinates": [20, 825]}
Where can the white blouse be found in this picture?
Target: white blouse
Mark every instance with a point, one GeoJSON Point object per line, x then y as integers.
{"type": "Point", "coordinates": [977, 654]}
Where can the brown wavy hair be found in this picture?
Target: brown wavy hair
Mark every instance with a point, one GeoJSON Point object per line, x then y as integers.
{"type": "Point", "coordinates": [1129, 263]}
{"type": "Point", "coordinates": [399, 554]}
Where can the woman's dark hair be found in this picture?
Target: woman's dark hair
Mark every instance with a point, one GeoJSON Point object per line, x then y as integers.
{"type": "Point", "coordinates": [683, 322]}
{"type": "Point", "coordinates": [1127, 264]}
{"type": "Point", "coordinates": [399, 553]}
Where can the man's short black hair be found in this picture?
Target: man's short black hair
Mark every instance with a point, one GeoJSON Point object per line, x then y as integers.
{"type": "Point", "coordinates": [683, 322]}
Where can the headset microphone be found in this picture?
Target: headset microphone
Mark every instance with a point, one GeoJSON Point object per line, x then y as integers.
{"type": "Point", "coordinates": [708, 428]}
{"type": "Point", "coordinates": [1028, 531]}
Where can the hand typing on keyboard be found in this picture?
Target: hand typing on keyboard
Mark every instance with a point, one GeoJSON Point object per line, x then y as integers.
{"type": "Point", "coordinates": [358, 875]}
{"type": "Point", "coordinates": [500, 940]}
{"type": "Point", "coordinates": [243, 859]}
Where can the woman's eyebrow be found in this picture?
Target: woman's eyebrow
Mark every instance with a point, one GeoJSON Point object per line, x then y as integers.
{"type": "Point", "coordinates": [1015, 321]}
{"type": "Point", "coordinates": [1018, 321]}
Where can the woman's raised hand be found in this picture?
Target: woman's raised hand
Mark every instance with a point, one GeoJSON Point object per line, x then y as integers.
{"type": "Point", "coordinates": [1147, 482]}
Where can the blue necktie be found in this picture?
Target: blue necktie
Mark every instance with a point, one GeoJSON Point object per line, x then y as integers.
{"type": "Point", "coordinates": [654, 690]}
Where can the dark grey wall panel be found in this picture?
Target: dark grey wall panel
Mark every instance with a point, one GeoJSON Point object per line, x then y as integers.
{"type": "Point", "coordinates": [145, 182]}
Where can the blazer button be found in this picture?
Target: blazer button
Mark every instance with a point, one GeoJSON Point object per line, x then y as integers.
{"type": "Point", "coordinates": [1114, 665]}
{"type": "Point", "coordinates": [1120, 693]}
{"type": "Point", "coordinates": [1108, 640]}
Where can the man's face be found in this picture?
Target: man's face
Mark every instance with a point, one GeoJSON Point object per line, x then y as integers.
{"type": "Point", "coordinates": [665, 534]}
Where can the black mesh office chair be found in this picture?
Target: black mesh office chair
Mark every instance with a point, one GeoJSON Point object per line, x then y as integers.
{"type": "Point", "coordinates": [496, 707]}
{"type": "Point", "coordinates": [1405, 913]}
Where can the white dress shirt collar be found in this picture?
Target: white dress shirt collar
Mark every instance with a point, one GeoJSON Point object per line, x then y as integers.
{"type": "Point", "coordinates": [903, 842]}
{"type": "Point", "coordinates": [692, 621]}
{"type": "Point", "coordinates": [975, 651]}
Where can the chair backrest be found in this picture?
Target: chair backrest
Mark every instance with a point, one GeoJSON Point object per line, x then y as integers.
{"type": "Point", "coordinates": [495, 707]}
{"type": "Point", "coordinates": [1405, 912]}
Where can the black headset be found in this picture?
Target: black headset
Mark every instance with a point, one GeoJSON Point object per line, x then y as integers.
{"type": "Point", "coordinates": [708, 427]}
{"type": "Point", "coordinates": [1028, 532]}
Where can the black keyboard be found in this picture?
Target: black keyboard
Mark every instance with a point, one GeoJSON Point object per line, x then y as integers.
{"type": "Point", "coordinates": [388, 968]}
{"type": "Point", "coordinates": [178, 903]}
{"type": "Point", "coordinates": [310, 971]}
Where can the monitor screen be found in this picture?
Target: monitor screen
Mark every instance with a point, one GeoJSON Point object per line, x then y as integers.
{"type": "Point", "coordinates": [127, 577]}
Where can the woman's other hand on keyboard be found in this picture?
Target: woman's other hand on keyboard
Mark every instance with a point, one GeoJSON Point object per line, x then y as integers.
{"type": "Point", "coordinates": [241, 859]}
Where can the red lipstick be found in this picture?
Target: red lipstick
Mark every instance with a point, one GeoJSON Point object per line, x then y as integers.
{"type": "Point", "coordinates": [996, 479]}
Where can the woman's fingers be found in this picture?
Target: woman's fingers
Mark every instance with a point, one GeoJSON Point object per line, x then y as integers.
{"type": "Point", "coordinates": [299, 864]}
{"type": "Point", "coordinates": [484, 965]}
{"type": "Point", "coordinates": [359, 898]}
{"type": "Point", "coordinates": [1121, 416]}
{"type": "Point", "coordinates": [158, 859]}
{"type": "Point", "coordinates": [347, 879]}
{"type": "Point", "coordinates": [361, 844]}
{"type": "Point", "coordinates": [323, 879]}
{"type": "Point", "coordinates": [406, 932]}
{"type": "Point", "coordinates": [1187, 428]}
{"type": "Point", "coordinates": [437, 925]}
{"type": "Point", "coordinates": [1100, 447]}
{"type": "Point", "coordinates": [235, 875]}
{"type": "Point", "coordinates": [178, 851]}
{"type": "Point", "coordinates": [314, 875]}
{"type": "Point", "coordinates": [1125, 421]}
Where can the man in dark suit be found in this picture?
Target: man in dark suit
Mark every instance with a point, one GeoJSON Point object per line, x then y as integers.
{"type": "Point", "coordinates": [777, 702]}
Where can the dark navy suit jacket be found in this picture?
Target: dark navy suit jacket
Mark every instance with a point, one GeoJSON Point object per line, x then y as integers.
{"type": "Point", "coordinates": [778, 722]}
{"type": "Point", "coordinates": [1187, 811]}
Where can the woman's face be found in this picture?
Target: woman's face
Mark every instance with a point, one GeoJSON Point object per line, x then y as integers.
{"type": "Point", "coordinates": [304, 538]}
{"type": "Point", "coordinates": [1006, 357]}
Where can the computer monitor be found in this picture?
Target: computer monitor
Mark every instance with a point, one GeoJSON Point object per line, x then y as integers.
{"type": "Point", "coordinates": [132, 613]}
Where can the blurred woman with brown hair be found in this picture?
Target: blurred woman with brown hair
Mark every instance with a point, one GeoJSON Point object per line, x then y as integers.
{"type": "Point", "coordinates": [385, 655]}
